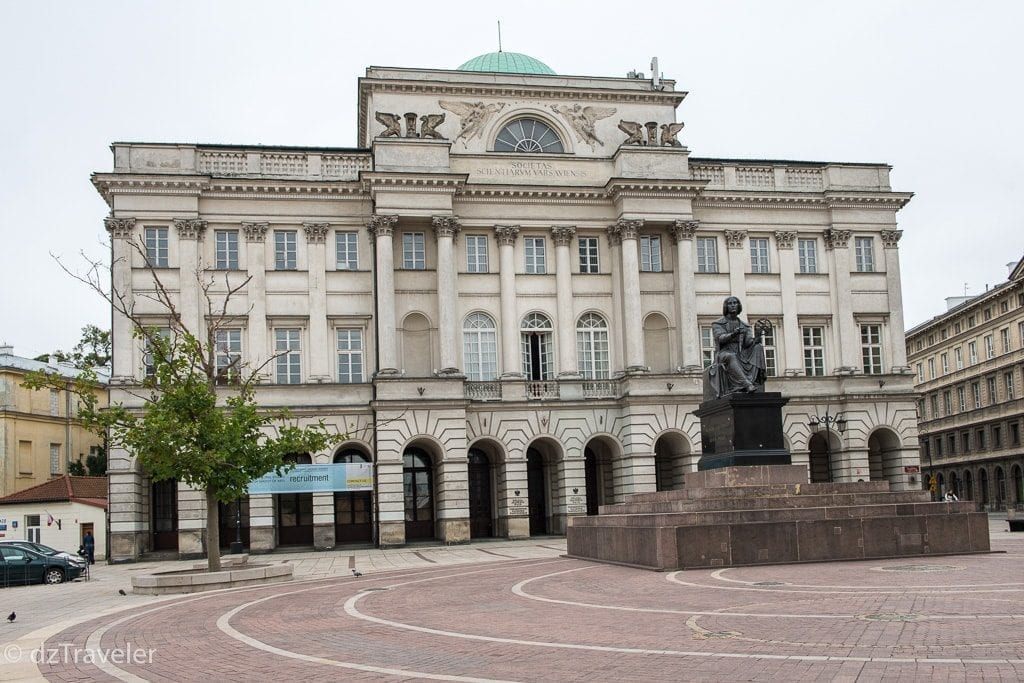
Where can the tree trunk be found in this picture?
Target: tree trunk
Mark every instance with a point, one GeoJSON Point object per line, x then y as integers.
{"type": "Point", "coordinates": [212, 532]}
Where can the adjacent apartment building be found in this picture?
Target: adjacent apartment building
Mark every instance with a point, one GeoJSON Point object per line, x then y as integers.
{"type": "Point", "coordinates": [969, 370]}
{"type": "Point", "coordinates": [502, 298]}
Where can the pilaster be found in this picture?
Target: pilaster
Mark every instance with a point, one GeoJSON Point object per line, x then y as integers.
{"type": "Point", "coordinates": [190, 232]}
{"type": "Point", "coordinates": [686, 294]}
{"type": "Point", "coordinates": [897, 342]}
{"type": "Point", "coordinates": [567, 361]}
{"type": "Point", "coordinates": [255, 259]}
{"type": "Point", "coordinates": [846, 335]}
{"type": "Point", "coordinates": [320, 345]}
{"type": "Point", "coordinates": [510, 363]}
{"type": "Point", "coordinates": [446, 230]}
{"type": "Point", "coordinates": [627, 232]}
{"type": "Point", "coordinates": [734, 242]}
{"type": "Point", "coordinates": [381, 229]}
{"type": "Point", "coordinates": [791, 341]}
{"type": "Point", "coordinates": [121, 231]}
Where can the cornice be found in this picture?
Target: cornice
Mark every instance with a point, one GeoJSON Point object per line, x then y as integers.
{"type": "Point", "coordinates": [418, 182]}
{"type": "Point", "coordinates": [242, 189]}
{"type": "Point", "coordinates": [520, 91]}
{"type": "Point", "coordinates": [761, 200]}
{"type": "Point", "coordinates": [657, 188]}
{"type": "Point", "coordinates": [515, 194]}
{"type": "Point", "coordinates": [852, 200]}
{"type": "Point", "coordinates": [108, 185]}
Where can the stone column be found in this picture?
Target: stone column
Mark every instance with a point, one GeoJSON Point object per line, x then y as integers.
{"type": "Point", "coordinates": [632, 313]}
{"type": "Point", "coordinates": [191, 522]}
{"type": "Point", "coordinates": [320, 345]}
{"type": "Point", "coordinates": [446, 230]}
{"type": "Point", "coordinates": [261, 523]}
{"type": "Point", "coordinates": [792, 365]}
{"type": "Point", "coordinates": [566, 324]}
{"type": "Point", "coordinates": [510, 362]}
{"type": "Point", "coordinates": [381, 229]}
{"type": "Point", "coordinates": [734, 240]}
{"type": "Point", "coordinates": [256, 262]}
{"type": "Point", "coordinates": [897, 340]}
{"type": "Point", "coordinates": [686, 295]}
{"type": "Point", "coordinates": [617, 331]}
{"type": "Point", "coordinates": [121, 231]}
{"type": "Point", "coordinates": [847, 335]}
{"type": "Point", "coordinates": [323, 521]}
{"type": "Point", "coordinates": [513, 507]}
{"type": "Point", "coordinates": [451, 495]}
{"type": "Point", "coordinates": [190, 232]}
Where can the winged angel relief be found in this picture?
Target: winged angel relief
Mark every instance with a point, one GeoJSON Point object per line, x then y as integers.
{"type": "Point", "coordinates": [474, 116]}
{"type": "Point", "coordinates": [583, 120]}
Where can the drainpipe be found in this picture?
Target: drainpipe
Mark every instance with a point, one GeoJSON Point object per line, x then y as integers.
{"type": "Point", "coordinates": [375, 526]}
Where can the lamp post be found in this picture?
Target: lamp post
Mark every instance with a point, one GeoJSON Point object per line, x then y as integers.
{"type": "Point", "coordinates": [828, 421]}
{"type": "Point", "coordinates": [236, 546]}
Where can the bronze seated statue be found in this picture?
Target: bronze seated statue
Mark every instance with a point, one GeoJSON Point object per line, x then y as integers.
{"type": "Point", "coordinates": [739, 363]}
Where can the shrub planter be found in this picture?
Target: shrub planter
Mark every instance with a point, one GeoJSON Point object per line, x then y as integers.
{"type": "Point", "coordinates": [236, 572]}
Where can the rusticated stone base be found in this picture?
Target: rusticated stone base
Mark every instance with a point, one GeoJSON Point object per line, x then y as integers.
{"type": "Point", "coordinates": [323, 537]}
{"type": "Point", "coordinates": [127, 546]}
{"type": "Point", "coordinates": [392, 534]}
{"type": "Point", "coordinates": [454, 530]}
{"type": "Point", "coordinates": [518, 527]}
{"type": "Point", "coordinates": [261, 539]}
{"type": "Point", "coordinates": [738, 516]}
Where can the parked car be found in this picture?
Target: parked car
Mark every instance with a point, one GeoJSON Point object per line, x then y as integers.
{"type": "Point", "coordinates": [20, 566]}
{"type": "Point", "coordinates": [73, 558]}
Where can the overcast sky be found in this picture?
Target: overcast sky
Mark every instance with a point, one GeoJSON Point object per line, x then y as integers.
{"type": "Point", "coordinates": [931, 87]}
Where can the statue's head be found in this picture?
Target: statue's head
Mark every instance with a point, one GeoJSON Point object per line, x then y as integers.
{"type": "Point", "coordinates": [731, 302]}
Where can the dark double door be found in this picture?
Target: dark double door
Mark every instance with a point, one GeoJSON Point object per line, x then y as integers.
{"type": "Point", "coordinates": [164, 500]}
{"type": "Point", "coordinates": [481, 522]}
{"type": "Point", "coordinates": [234, 522]}
{"type": "Point", "coordinates": [295, 519]}
{"type": "Point", "coordinates": [536, 484]}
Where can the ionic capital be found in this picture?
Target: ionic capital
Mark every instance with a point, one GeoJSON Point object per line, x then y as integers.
{"type": "Point", "coordinates": [119, 228]}
{"type": "Point", "coordinates": [506, 234]}
{"type": "Point", "coordinates": [562, 235]}
{"type": "Point", "coordinates": [190, 228]}
{"type": "Point", "coordinates": [734, 238]}
{"type": "Point", "coordinates": [316, 233]}
{"type": "Point", "coordinates": [785, 238]}
{"type": "Point", "coordinates": [683, 230]}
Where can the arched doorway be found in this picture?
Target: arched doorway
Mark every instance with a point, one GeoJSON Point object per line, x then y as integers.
{"type": "Point", "coordinates": [968, 493]}
{"type": "Point", "coordinates": [598, 459]}
{"type": "Point", "coordinates": [941, 482]}
{"type": "Point", "coordinates": [537, 491]}
{"type": "Point", "coordinates": [481, 505]}
{"type": "Point", "coordinates": [1000, 488]}
{"type": "Point", "coordinates": [164, 504]}
{"type": "Point", "coordinates": [819, 459]}
{"type": "Point", "coordinates": [295, 510]}
{"type": "Point", "coordinates": [353, 512]}
{"type": "Point", "coordinates": [234, 522]}
{"type": "Point", "coordinates": [883, 456]}
{"type": "Point", "coordinates": [670, 453]}
{"type": "Point", "coordinates": [983, 486]}
{"type": "Point", "coordinates": [956, 486]}
{"type": "Point", "coordinates": [1018, 484]}
{"type": "Point", "coordinates": [418, 485]}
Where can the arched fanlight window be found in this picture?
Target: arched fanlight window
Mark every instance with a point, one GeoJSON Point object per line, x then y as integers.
{"type": "Point", "coordinates": [536, 345]}
{"type": "Point", "coordinates": [480, 347]}
{"type": "Point", "coordinates": [592, 346]}
{"type": "Point", "coordinates": [527, 135]}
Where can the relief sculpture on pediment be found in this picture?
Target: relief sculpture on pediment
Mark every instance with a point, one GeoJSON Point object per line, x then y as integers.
{"type": "Point", "coordinates": [474, 116]}
{"type": "Point", "coordinates": [392, 124]}
{"type": "Point", "coordinates": [583, 119]}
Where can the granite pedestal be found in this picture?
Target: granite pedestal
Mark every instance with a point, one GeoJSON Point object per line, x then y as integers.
{"type": "Point", "coordinates": [742, 429]}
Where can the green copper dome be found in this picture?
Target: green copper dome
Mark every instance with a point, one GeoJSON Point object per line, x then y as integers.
{"type": "Point", "coordinates": [507, 63]}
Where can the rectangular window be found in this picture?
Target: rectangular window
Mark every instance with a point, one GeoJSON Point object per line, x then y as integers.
{"type": "Point", "coordinates": [346, 250]}
{"type": "Point", "coordinates": [979, 439]}
{"type": "Point", "coordinates": [414, 255]}
{"type": "Point", "coordinates": [943, 334]}
{"type": "Point", "coordinates": [1014, 434]}
{"type": "Point", "coordinates": [971, 321]}
{"type": "Point", "coordinates": [148, 362]}
{"type": "Point", "coordinates": [871, 349]}
{"type": "Point", "coordinates": [588, 255]}
{"type": "Point", "coordinates": [226, 249]}
{"type": "Point", "coordinates": [997, 436]}
{"type": "Point", "coordinates": [54, 458]}
{"type": "Point", "coordinates": [476, 254]}
{"type": "Point", "coordinates": [865, 253]}
{"type": "Point", "coordinates": [1020, 334]}
{"type": "Point", "coordinates": [707, 255]}
{"type": "Point", "coordinates": [808, 254]}
{"type": "Point", "coordinates": [759, 255]}
{"type": "Point", "coordinates": [814, 351]}
{"type": "Point", "coordinates": [944, 358]}
{"type": "Point", "coordinates": [951, 440]}
{"type": "Point", "coordinates": [1004, 306]}
{"type": "Point", "coordinates": [1004, 339]}
{"type": "Point", "coordinates": [288, 349]}
{"type": "Point", "coordinates": [938, 447]}
{"type": "Point", "coordinates": [961, 396]}
{"type": "Point", "coordinates": [947, 402]}
{"type": "Point", "coordinates": [972, 352]}
{"type": "Point", "coordinates": [536, 261]}
{"type": "Point", "coordinates": [988, 313]}
{"type": "Point", "coordinates": [976, 394]}
{"type": "Point", "coordinates": [935, 406]}
{"type": "Point", "coordinates": [931, 368]}
{"type": "Point", "coordinates": [284, 250]}
{"type": "Point", "coordinates": [229, 355]}
{"type": "Point", "coordinates": [920, 372]}
{"type": "Point", "coordinates": [350, 356]}
{"type": "Point", "coordinates": [965, 440]}
{"type": "Point", "coordinates": [156, 247]}
{"type": "Point", "coordinates": [1008, 383]}
{"type": "Point", "coordinates": [707, 346]}
{"type": "Point", "coordinates": [990, 349]}
{"type": "Point", "coordinates": [990, 384]}
{"type": "Point", "coordinates": [54, 402]}
{"type": "Point", "coordinates": [650, 253]}
{"type": "Point", "coordinates": [768, 342]}
{"type": "Point", "coordinates": [956, 328]}
{"type": "Point", "coordinates": [958, 358]}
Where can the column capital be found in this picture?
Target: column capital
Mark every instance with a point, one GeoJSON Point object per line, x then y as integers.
{"type": "Point", "coordinates": [381, 225]}
{"type": "Point", "coordinates": [683, 230]}
{"type": "Point", "coordinates": [627, 229]}
{"type": "Point", "coordinates": [506, 234]}
{"type": "Point", "coordinates": [119, 228]}
{"type": "Point", "coordinates": [255, 232]}
{"type": "Point", "coordinates": [734, 238]}
{"type": "Point", "coordinates": [837, 239]}
{"type": "Point", "coordinates": [562, 235]}
{"type": "Point", "coordinates": [446, 226]}
{"type": "Point", "coordinates": [316, 233]}
{"type": "Point", "coordinates": [891, 238]}
{"type": "Point", "coordinates": [190, 228]}
{"type": "Point", "coordinates": [785, 238]}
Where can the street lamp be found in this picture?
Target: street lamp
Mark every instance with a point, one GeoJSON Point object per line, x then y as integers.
{"type": "Point", "coordinates": [829, 422]}
{"type": "Point", "coordinates": [236, 545]}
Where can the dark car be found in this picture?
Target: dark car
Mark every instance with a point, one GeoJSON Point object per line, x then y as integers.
{"type": "Point", "coordinates": [20, 565]}
{"type": "Point", "coordinates": [45, 550]}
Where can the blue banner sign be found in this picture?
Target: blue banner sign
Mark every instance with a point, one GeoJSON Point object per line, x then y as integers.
{"type": "Point", "coordinates": [316, 479]}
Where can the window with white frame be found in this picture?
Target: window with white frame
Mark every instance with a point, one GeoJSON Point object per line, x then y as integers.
{"type": "Point", "coordinates": [944, 358]}
{"type": "Point", "coordinates": [961, 395]}
{"type": "Point", "coordinates": [1004, 339]}
{"type": "Point", "coordinates": [1008, 384]}
{"type": "Point", "coordinates": [707, 255]}
{"type": "Point", "coordinates": [814, 351]}
{"type": "Point", "coordinates": [947, 402]}
{"type": "Point", "coordinates": [707, 346]}
{"type": "Point", "coordinates": [350, 355]}
{"type": "Point", "coordinates": [228, 343]}
{"type": "Point", "coordinates": [589, 262]}
{"type": "Point", "coordinates": [972, 352]}
{"type": "Point", "coordinates": [592, 346]}
{"type": "Point", "coordinates": [536, 259]}
{"type": "Point", "coordinates": [225, 255]}
{"type": "Point", "coordinates": [285, 254]}
{"type": "Point", "coordinates": [1020, 334]}
{"type": "Point", "coordinates": [976, 394]}
{"type": "Point", "coordinates": [156, 247]}
{"type": "Point", "coordinates": [288, 350]}
{"type": "Point", "coordinates": [993, 396]}
{"type": "Point", "coordinates": [768, 342]}
{"type": "Point", "coordinates": [871, 350]}
{"type": "Point", "coordinates": [536, 346]}
{"type": "Point", "coordinates": [346, 250]}
{"type": "Point", "coordinates": [148, 360]}
{"type": "Point", "coordinates": [54, 402]}
{"type": "Point", "coordinates": [931, 368]}
{"type": "Point", "coordinates": [958, 358]}
{"type": "Point", "coordinates": [920, 372]}
{"type": "Point", "coordinates": [807, 252]}
{"type": "Point", "coordinates": [650, 253]}
{"type": "Point", "coordinates": [759, 255]}
{"type": "Point", "coordinates": [480, 347]}
{"type": "Point", "coordinates": [54, 458]}
{"type": "Point", "coordinates": [476, 254]}
{"type": "Point", "coordinates": [990, 349]}
{"type": "Point", "coordinates": [935, 405]}
{"type": "Point", "coordinates": [864, 248]}
{"type": "Point", "coordinates": [414, 254]}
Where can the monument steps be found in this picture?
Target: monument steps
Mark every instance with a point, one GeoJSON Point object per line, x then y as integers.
{"type": "Point", "coordinates": [741, 502]}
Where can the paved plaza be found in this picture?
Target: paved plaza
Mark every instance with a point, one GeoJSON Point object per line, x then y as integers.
{"type": "Point", "coordinates": [519, 611]}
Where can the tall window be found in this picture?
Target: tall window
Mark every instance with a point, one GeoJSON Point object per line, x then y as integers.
{"type": "Point", "coordinates": [990, 349]}
{"type": "Point", "coordinates": [976, 394]}
{"type": "Point", "coordinates": [972, 352]}
{"type": "Point", "coordinates": [1004, 339]}
{"type": "Point", "coordinates": [961, 396]}
{"type": "Point", "coordinates": [350, 355]}
{"type": "Point", "coordinates": [935, 405]}
{"type": "Point", "coordinates": [707, 255]}
{"type": "Point", "coordinates": [1008, 383]}
{"type": "Point", "coordinates": [814, 351]}
{"type": "Point", "coordinates": [650, 253]}
{"type": "Point", "coordinates": [768, 342]}
{"type": "Point", "coordinates": [479, 348]}
{"type": "Point", "coordinates": [54, 458]}
{"type": "Point", "coordinates": [148, 361]}
{"type": "Point", "coordinates": [944, 358]}
{"type": "Point", "coordinates": [931, 368]}
{"type": "Point", "coordinates": [413, 251]}
{"type": "Point", "coordinates": [865, 253]}
{"type": "Point", "coordinates": [947, 402]}
{"type": "Point", "coordinates": [759, 255]}
{"type": "Point", "coordinates": [871, 350]}
{"type": "Point", "coordinates": [993, 396]}
{"type": "Point", "coordinates": [958, 358]}
{"type": "Point", "coordinates": [1020, 334]}
{"type": "Point", "coordinates": [288, 348]}
{"type": "Point", "coordinates": [346, 250]}
{"type": "Point", "coordinates": [229, 354]}
{"type": "Point", "coordinates": [588, 255]}
{"type": "Point", "coordinates": [536, 346]}
{"type": "Point", "coordinates": [156, 247]}
{"type": "Point", "coordinates": [592, 346]}
{"type": "Point", "coordinates": [707, 346]}
{"type": "Point", "coordinates": [284, 250]}
{"type": "Point", "coordinates": [54, 402]}
{"type": "Point", "coordinates": [807, 250]}
{"type": "Point", "coordinates": [920, 372]}
{"type": "Point", "coordinates": [536, 262]}
{"type": "Point", "coordinates": [476, 254]}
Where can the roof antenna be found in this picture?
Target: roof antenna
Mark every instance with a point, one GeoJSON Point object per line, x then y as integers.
{"type": "Point", "coordinates": [499, 35]}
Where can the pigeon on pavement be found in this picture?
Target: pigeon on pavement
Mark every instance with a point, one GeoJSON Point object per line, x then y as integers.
{"type": "Point", "coordinates": [11, 617]}
{"type": "Point", "coordinates": [356, 572]}
{"type": "Point", "coordinates": [120, 591]}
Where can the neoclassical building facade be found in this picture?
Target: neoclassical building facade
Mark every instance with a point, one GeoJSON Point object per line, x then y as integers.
{"type": "Point", "coordinates": [502, 299]}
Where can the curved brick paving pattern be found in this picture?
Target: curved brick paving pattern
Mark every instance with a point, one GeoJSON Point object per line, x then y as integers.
{"type": "Point", "coordinates": [952, 618]}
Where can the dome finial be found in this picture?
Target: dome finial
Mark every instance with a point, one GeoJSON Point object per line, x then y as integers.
{"type": "Point", "coordinates": [499, 35]}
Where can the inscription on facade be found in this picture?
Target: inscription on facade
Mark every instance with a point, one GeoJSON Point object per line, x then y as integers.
{"type": "Point", "coordinates": [531, 169]}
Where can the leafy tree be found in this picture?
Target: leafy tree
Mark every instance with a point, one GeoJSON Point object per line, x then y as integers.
{"type": "Point", "coordinates": [97, 463]}
{"type": "Point", "coordinates": [76, 468]}
{"type": "Point", "coordinates": [91, 351]}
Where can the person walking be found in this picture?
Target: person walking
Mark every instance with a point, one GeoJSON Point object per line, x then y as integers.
{"type": "Point", "coordinates": [90, 547]}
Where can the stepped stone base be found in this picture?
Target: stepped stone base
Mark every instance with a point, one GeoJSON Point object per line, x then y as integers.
{"type": "Point", "coordinates": [734, 516]}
